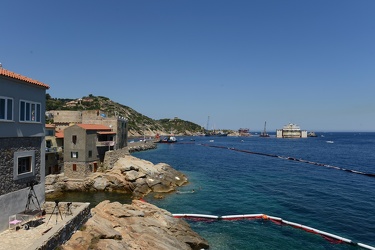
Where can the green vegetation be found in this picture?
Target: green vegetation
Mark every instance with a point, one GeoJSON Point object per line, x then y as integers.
{"type": "Point", "coordinates": [177, 125]}
{"type": "Point", "coordinates": [138, 123]}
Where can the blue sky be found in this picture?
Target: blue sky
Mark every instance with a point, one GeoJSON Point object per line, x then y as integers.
{"type": "Point", "coordinates": [241, 62]}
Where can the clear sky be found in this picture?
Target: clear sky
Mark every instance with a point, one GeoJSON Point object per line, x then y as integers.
{"type": "Point", "coordinates": [241, 62]}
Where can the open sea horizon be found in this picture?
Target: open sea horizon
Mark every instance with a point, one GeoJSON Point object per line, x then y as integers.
{"type": "Point", "coordinates": [228, 180]}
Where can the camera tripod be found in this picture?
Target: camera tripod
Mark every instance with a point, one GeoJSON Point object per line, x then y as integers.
{"type": "Point", "coordinates": [31, 198]}
{"type": "Point", "coordinates": [68, 209]}
{"type": "Point", "coordinates": [57, 212]}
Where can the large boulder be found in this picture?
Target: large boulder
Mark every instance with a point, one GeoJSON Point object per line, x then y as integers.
{"type": "Point", "coordinates": [128, 174]}
{"type": "Point", "coordinates": [139, 225]}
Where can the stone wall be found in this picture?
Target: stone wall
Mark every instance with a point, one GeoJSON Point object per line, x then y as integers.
{"type": "Point", "coordinates": [141, 146]}
{"type": "Point", "coordinates": [66, 116]}
{"type": "Point", "coordinates": [8, 146]}
{"type": "Point", "coordinates": [82, 170]}
{"type": "Point", "coordinates": [112, 156]}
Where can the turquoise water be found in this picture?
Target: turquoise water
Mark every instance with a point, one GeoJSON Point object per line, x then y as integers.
{"type": "Point", "coordinates": [228, 182]}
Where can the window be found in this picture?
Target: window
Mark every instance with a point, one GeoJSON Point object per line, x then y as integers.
{"type": "Point", "coordinates": [74, 154]}
{"type": "Point", "coordinates": [6, 109]}
{"type": "Point", "coordinates": [74, 167]}
{"type": "Point", "coordinates": [50, 132]}
{"type": "Point", "coordinates": [74, 139]}
{"type": "Point", "coordinates": [90, 153]}
{"type": "Point", "coordinates": [30, 111]}
{"type": "Point", "coordinates": [24, 163]}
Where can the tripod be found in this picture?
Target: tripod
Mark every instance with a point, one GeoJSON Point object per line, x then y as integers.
{"type": "Point", "coordinates": [31, 197]}
{"type": "Point", "coordinates": [57, 212]}
{"type": "Point", "coordinates": [69, 209]}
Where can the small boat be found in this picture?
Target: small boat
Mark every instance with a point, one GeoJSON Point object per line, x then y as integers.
{"type": "Point", "coordinates": [329, 142]}
{"type": "Point", "coordinates": [311, 134]}
{"type": "Point", "coordinates": [221, 133]}
{"type": "Point", "coordinates": [168, 139]}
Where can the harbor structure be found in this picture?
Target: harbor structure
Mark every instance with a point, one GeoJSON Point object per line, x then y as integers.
{"type": "Point", "coordinates": [291, 131]}
{"type": "Point", "coordinates": [244, 132]}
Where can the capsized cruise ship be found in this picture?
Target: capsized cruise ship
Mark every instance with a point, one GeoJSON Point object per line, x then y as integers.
{"type": "Point", "coordinates": [291, 131]}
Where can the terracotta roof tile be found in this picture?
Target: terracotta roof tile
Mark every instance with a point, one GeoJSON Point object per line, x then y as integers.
{"type": "Point", "coordinates": [59, 134]}
{"type": "Point", "coordinates": [95, 127]}
{"type": "Point", "coordinates": [5, 72]}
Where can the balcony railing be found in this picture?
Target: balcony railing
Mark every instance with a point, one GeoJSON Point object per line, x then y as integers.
{"type": "Point", "coordinates": [105, 143]}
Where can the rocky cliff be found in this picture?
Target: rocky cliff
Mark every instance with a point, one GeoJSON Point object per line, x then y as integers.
{"type": "Point", "coordinates": [139, 225]}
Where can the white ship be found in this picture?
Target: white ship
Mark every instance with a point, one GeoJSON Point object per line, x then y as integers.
{"type": "Point", "coordinates": [291, 131]}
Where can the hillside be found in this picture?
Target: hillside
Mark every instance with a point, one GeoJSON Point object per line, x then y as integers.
{"type": "Point", "coordinates": [138, 124]}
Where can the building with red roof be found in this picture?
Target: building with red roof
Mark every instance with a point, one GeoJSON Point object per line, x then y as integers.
{"type": "Point", "coordinates": [22, 144]}
{"type": "Point", "coordinates": [84, 148]}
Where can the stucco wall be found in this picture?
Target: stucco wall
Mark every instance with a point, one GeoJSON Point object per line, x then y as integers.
{"type": "Point", "coordinates": [20, 91]}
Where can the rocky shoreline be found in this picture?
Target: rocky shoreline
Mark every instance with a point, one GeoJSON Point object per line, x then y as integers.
{"type": "Point", "coordinates": [129, 175]}
{"type": "Point", "coordinates": [139, 225]}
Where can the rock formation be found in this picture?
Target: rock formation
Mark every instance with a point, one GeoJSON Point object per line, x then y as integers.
{"type": "Point", "coordinates": [128, 175]}
{"type": "Point", "coordinates": [139, 225]}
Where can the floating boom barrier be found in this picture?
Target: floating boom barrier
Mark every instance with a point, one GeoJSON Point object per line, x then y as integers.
{"type": "Point", "coordinates": [294, 159]}
{"type": "Point", "coordinates": [276, 220]}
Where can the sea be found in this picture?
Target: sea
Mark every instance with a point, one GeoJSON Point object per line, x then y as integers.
{"type": "Point", "coordinates": [325, 182]}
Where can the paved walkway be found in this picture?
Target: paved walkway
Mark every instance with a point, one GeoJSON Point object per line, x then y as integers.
{"type": "Point", "coordinates": [23, 239]}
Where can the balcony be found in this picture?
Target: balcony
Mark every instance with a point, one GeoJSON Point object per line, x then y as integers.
{"type": "Point", "coordinates": [105, 143]}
